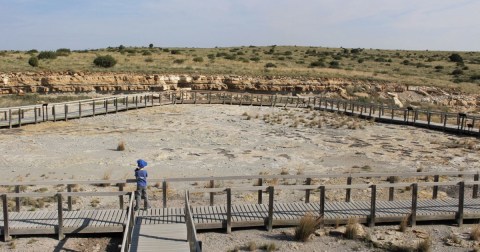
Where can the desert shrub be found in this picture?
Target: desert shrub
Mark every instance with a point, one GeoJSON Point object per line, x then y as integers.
{"type": "Point", "coordinates": [425, 245]}
{"type": "Point", "coordinates": [47, 55]}
{"type": "Point", "coordinates": [307, 226]}
{"type": "Point", "coordinates": [256, 59]}
{"type": "Point", "coordinates": [148, 59]}
{"type": "Point", "coordinates": [150, 46]}
{"type": "Point", "coordinates": [318, 63]}
{"type": "Point", "coordinates": [230, 57]}
{"type": "Point", "coordinates": [455, 57]}
{"type": "Point", "coordinates": [105, 61]}
{"type": "Point", "coordinates": [270, 65]}
{"type": "Point", "coordinates": [33, 51]}
{"type": "Point", "coordinates": [360, 61]}
{"type": "Point", "coordinates": [404, 224]}
{"type": "Point", "coordinates": [146, 53]}
{"type": "Point", "coordinates": [352, 229]}
{"type": "Point", "coordinates": [475, 234]}
{"type": "Point", "coordinates": [175, 52]}
{"type": "Point", "coordinates": [63, 52]}
{"type": "Point", "coordinates": [439, 67]}
{"type": "Point", "coordinates": [198, 59]}
{"type": "Point", "coordinates": [211, 56]}
{"type": "Point", "coordinates": [179, 61]}
{"type": "Point", "coordinates": [33, 61]}
{"type": "Point", "coordinates": [334, 64]}
{"type": "Point", "coordinates": [457, 72]}
{"type": "Point", "coordinates": [121, 47]}
{"type": "Point", "coordinates": [121, 146]}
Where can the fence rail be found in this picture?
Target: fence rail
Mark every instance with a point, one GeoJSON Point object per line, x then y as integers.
{"type": "Point", "coordinates": [459, 123]}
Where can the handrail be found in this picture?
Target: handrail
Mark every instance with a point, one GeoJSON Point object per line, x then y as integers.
{"type": "Point", "coordinates": [194, 243]}
{"type": "Point", "coordinates": [130, 223]}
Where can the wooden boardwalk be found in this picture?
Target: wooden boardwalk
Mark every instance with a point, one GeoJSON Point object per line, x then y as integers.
{"type": "Point", "coordinates": [244, 215]}
{"type": "Point", "coordinates": [159, 237]}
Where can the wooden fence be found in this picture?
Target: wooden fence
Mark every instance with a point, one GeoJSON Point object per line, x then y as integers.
{"type": "Point", "coordinates": [459, 123]}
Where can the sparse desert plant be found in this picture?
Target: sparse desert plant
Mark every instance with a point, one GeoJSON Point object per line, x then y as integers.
{"type": "Point", "coordinates": [47, 55]}
{"type": "Point", "coordinates": [404, 224]}
{"type": "Point", "coordinates": [284, 171]}
{"type": "Point", "coordinates": [475, 234]}
{"type": "Point", "coordinates": [106, 176]}
{"type": "Point", "coordinates": [33, 61]}
{"type": "Point", "coordinates": [121, 146]}
{"type": "Point", "coordinates": [307, 226]}
{"type": "Point", "coordinates": [105, 61]}
{"type": "Point", "coordinates": [252, 246]}
{"type": "Point", "coordinates": [425, 245]}
{"type": "Point", "coordinates": [271, 247]}
{"type": "Point", "coordinates": [94, 202]}
{"type": "Point", "coordinates": [352, 229]}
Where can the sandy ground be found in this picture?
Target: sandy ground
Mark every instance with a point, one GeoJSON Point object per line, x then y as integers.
{"type": "Point", "coordinates": [216, 140]}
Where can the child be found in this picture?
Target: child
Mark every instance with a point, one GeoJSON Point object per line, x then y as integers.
{"type": "Point", "coordinates": [141, 176]}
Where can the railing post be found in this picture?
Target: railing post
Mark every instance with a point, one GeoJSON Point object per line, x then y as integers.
{"type": "Point", "coordinates": [229, 210]}
{"type": "Point", "coordinates": [6, 231]}
{"type": "Point", "coordinates": [349, 190]}
{"type": "Point", "coordinates": [413, 215]}
{"type": "Point", "coordinates": [436, 178]}
{"type": "Point", "coordinates": [391, 190]}
{"type": "Point", "coordinates": [36, 116]}
{"type": "Point", "coordinates": [322, 204]}
{"type": "Point", "coordinates": [212, 194]}
{"type": "Point", "coordinates": [65, 110]}
{"type": "Point", "coordinates": [79, 110]}
{"type": "Point", "coordinates": [19, 117]}
{"type": "Point", "coordinates": [164, 192]}
{"type": "Point", "coordinates": [260, 192]}
{"type": "Point", "coordinates": [120, 197]}
{"type": "Point", "coordinates": [373, 202]}
{"type": "Point", "coordinates": [10, 118]}
{"type": "Point", "coordinates": [475, 187]}
{"type": "Point", "coordinates": [461, 201]}
{"type": "Point", "coordinates": [93, 107]}
{"type": "Point", "coordinates": [60, 217]}
{"type": "Point", "coordinates": [69, 198]}
{"type": "Point", "coordinates": [307, 192]}
{"type": "Point", "coordinates": [17, 199]}
{"type": "Point", "coordinates": [271, 192]}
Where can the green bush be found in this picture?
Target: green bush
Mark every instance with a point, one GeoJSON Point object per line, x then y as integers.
{"type": "Point", "coordinates": [317, 63]}
{"type": "Point", "coordinates": [457, 72]}
{"type": "Point", "coordinates": [455, 57]}
{"type": "Point", "coordinates": [334, 64]}
{"type": "Point", "coordinates": [104, 61]}
{"type": "Point", "coordinates": [47, 55]}
{"type": "Point", "coordinates": [33, 51]}
{"type": "Point", "coordinates": [179, 61]}
{"type": "Point", "coordinates": [146, 53]}
{"type": "Point", "coordinates": [198, 59]}
{"type": "Point", "coordinates": [270, 65]}
{"type": "Point", "coordinates": [63, 52]}
{"type": "Point", "coordinates": [150, 46]}
{"type": "Point", "coordinates": [256, 59]}
{"type": "Point", "coordinates": [33, 61]}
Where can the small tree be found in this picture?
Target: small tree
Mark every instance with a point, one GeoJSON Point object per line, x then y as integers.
{"type": "Point", "coordinates": [33, 61]}
{"type": "Point", "coordinates": [270, 65]}
{"type": "Point", "coordinates": [47, 55]}
{"type": "Point", "coordinates": [150, 46]}
{"type": "Point", "coordinates": [121, 47]}
{"type": "Point", "coordinates": [104, 61]}
{"type": "Point", "coordinates": [63, 52]}
{"type": "Point", "coordinates": [455, 57]}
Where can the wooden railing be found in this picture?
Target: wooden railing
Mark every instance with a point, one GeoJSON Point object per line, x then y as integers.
{"type": "Point", "coordinates": [260, 180]}
{"type": "Point", "coordinates": [193, 242]}
{"type": "Point", "coordinates": [59, 196]}
{"type": "Point", "coordinates": [130, 224]}
{"type": "Point", "coordinates": [371, 219]}
{"type": "Point", "coordinates": [438, 120]}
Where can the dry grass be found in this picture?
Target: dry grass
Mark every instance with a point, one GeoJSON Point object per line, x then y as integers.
{"type": "Point", "coordinates": [284, 171]}
{"type": "Point", "coordinates": [121, 146]}
{"type": "Point", "coordinates": [94, 202]}
{"type": "Point", "coordinates": [475, 233]}
{"type": "Point", "coordinates": [352, 230]}
{"type": "Point", "coordinates": [107, 175]}
{"type": "Point", "coordinates": [425, 245]}
{"type": "Point", "coordinates": [252, 246]}
{"type": "Point", "coordinates": [307, 226]}
{"type": "Point", "coordinates": [404, 224]}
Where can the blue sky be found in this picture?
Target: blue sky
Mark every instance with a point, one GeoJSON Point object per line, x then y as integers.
{"type": "Point", "coordinates": [385, 24]}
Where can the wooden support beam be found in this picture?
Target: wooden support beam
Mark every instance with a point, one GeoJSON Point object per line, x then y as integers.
{"type": "Point", "coordinates": [6, 229]}
{"type": "Point", "coordinates": [260, 192]}
{"type": "Point", "coordinates": [413, 214]}
{"type": "Point", "coordinates": [17, 199]}
{"type": "Point", "coordinates": [461, 202]}
{"type": "Point", "coordinates": [69, 198]}
{"type": "Point", "coordinates": [307, 192]}
{"type": "Point", "coordinates": [164, 192]}
{"type": "Point", "coordinates": [436, 178]}
{"type": "Point", "coordinates": [120, 197]}
{"type": "Point", "coordinates": [348, 190]}
{"type": "Point", "coordinates": [322, 203]}
{"type": "Point", "coordinates": [391, 190]}
{"type": "Point", "coordinates": [475, 187]}
{"type": "Point", "coordinates": [373, 203]}
{"type": "Point", "coordinates": [271, 193]}
{"type": "Point", "coordinates": [229, 210]}
{"type": "Point", "coordinates": [60, 218]}
{"type": "Point", "coordinates": [212, 194]}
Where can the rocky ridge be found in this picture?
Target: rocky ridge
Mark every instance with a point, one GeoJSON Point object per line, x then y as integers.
{"type": "Point", "coordinates": [82, 82]}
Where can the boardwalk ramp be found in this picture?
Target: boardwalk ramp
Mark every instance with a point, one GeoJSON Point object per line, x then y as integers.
{"type": "Point", "coordinates": [159, 237]}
